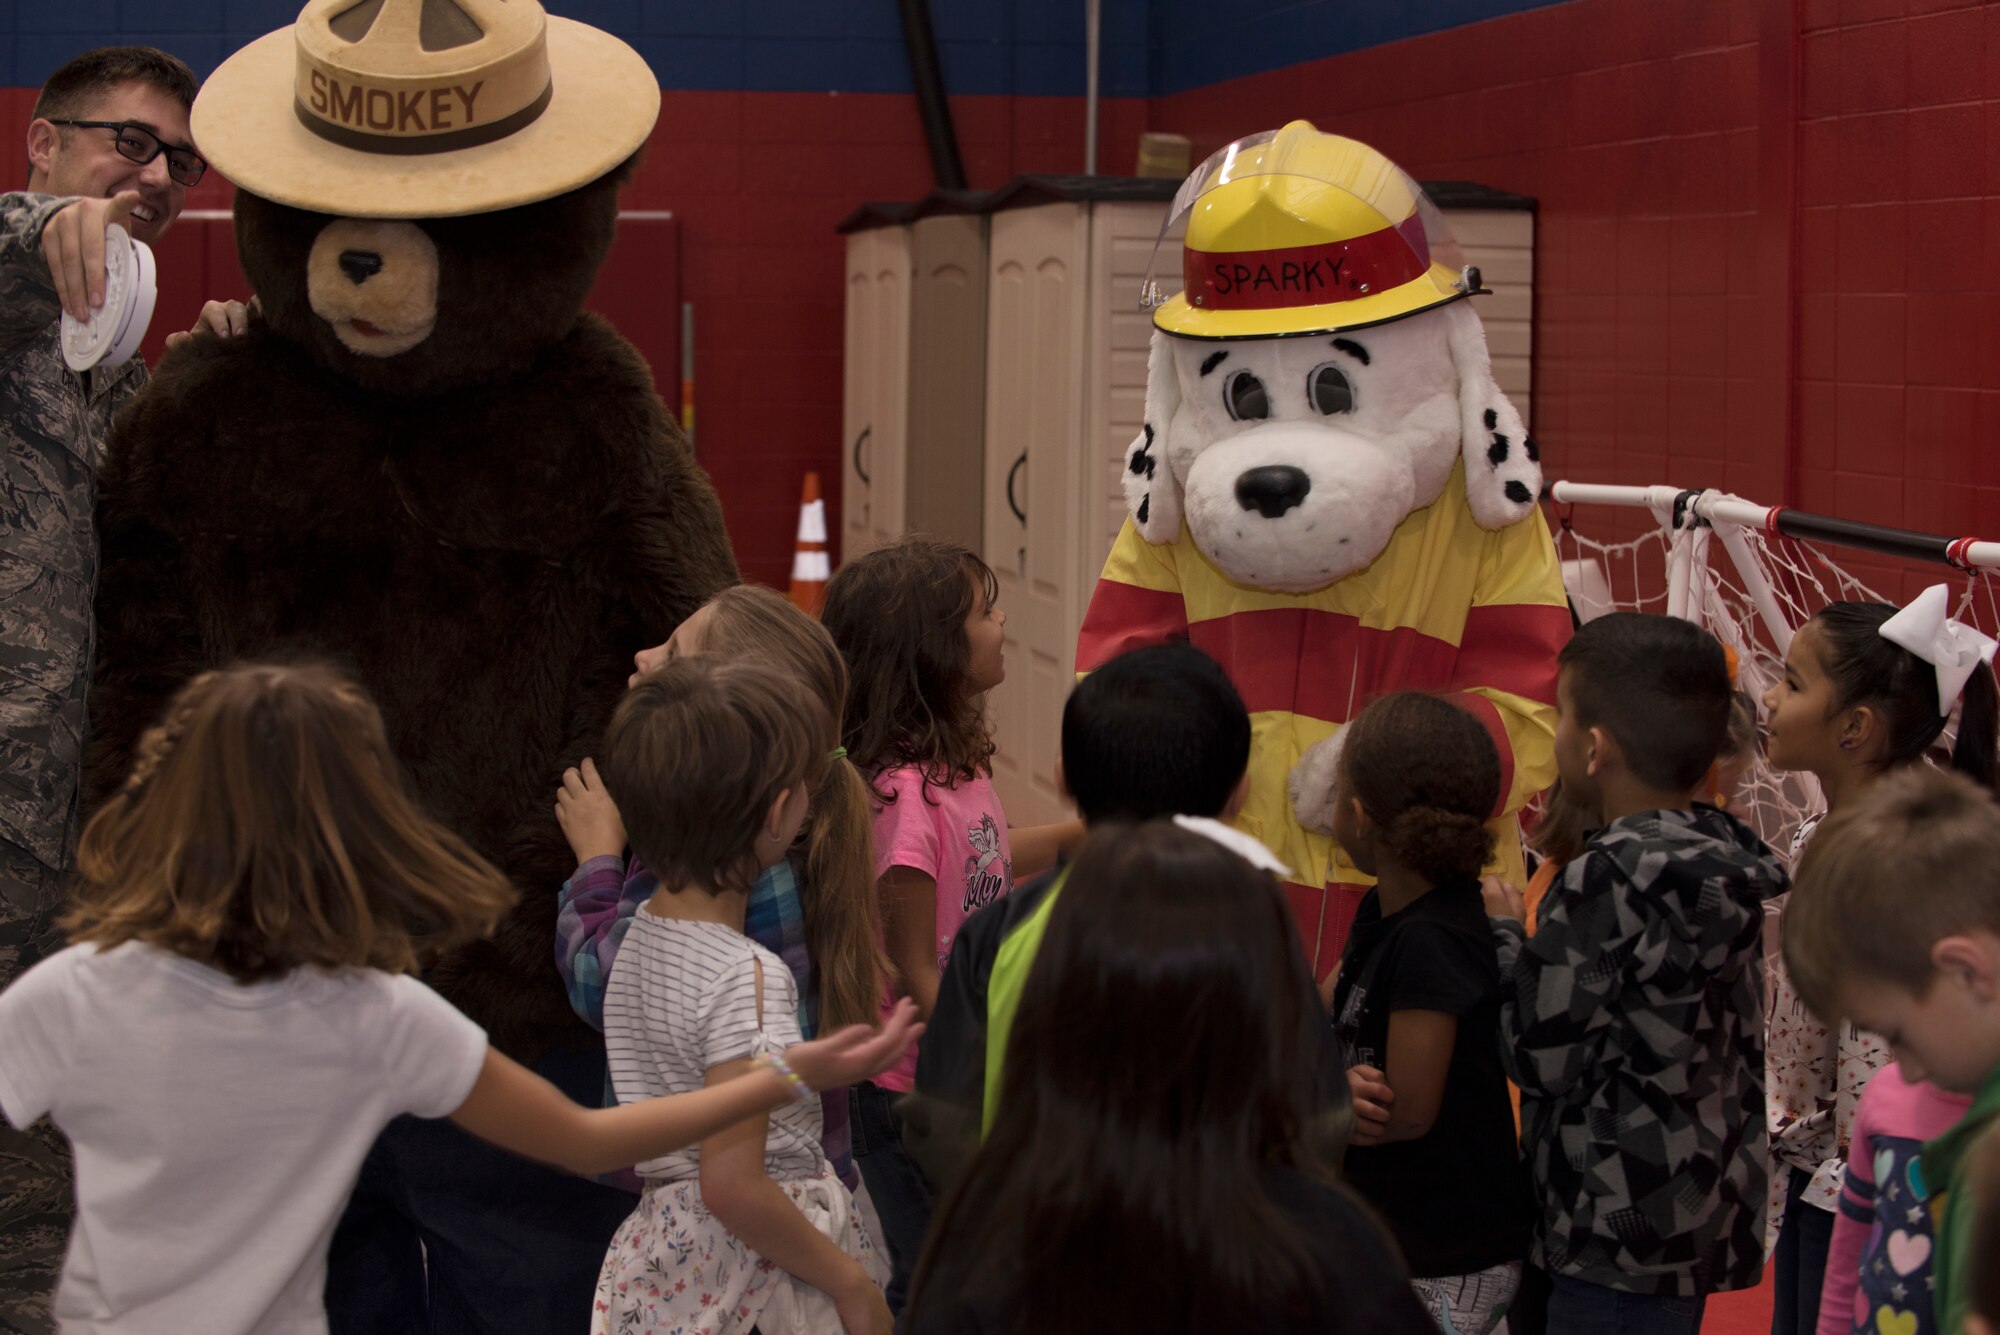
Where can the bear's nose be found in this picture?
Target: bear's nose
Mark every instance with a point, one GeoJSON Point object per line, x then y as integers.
{"type": "Point", "coordinates": [360, 265]}
{"type": "Point", "coordinates": [1273, 489]}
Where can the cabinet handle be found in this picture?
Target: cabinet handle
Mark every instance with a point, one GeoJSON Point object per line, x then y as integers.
{"type": "Point", "coordinates": [859, 441]}
{"type": "Point", "coordinates": [1013, 473]}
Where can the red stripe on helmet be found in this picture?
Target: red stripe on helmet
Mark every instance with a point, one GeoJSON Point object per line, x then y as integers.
{"type": "Point", "coordinates": [1317, 275]}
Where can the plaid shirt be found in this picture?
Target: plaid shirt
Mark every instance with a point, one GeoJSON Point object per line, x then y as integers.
{"type": "Point", "coordinates": [596, 908]}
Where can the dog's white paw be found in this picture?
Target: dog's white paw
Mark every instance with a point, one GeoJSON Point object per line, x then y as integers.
{"type": "Point", "coordinates": [1311, 784]}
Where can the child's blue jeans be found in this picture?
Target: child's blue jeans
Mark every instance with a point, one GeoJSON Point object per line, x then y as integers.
{"type": "Point", "coordinates": [1578, 1307]}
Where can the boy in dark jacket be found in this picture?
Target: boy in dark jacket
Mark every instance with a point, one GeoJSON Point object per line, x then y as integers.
{"type": "Point", "coordinates": [1634, 1020]}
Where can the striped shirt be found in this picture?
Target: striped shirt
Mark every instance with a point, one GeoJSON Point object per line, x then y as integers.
{"type": "Point", "coordinates": [593, 913]}
{"type": "Point", "coordinates": [681, 1001]}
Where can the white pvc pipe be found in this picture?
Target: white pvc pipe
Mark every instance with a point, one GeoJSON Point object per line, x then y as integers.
{"type": "Point", "coordinates": [1762, 596]}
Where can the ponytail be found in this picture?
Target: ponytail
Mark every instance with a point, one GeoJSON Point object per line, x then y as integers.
{"type": "Point", "coordinates": [843, 936]}
{"type": "Point", "coordinates": [1868, 668]}
{"type": "Point", "coordinates": [1973, 755]}
{"type": "Point", "coordinates": [1438, 843]}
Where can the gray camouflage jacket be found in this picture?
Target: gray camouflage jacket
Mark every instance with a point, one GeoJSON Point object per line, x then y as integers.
{"type": "Point", "coordinates": [53, 424]}
{"type": "Point", "coordinates": [1635, 1028]}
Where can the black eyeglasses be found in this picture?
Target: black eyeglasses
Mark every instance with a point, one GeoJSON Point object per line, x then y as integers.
{"type": "Point", "coordinates": [141, 145]}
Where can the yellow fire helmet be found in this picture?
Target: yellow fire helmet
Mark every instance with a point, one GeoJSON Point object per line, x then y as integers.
{"type": "Point", "coordinates": [1297, 232]}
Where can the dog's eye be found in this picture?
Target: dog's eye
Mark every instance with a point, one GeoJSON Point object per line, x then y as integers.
{"type": "Point", "coordinates": [1329, 389]}
{"type": "Point", "coordinates": [1243, 395]}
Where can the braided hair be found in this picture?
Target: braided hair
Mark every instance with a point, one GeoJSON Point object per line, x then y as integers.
{"type": "Point", "coordinates": [1428, 776]}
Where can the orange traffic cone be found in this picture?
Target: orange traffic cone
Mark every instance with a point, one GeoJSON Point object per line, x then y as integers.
{"type": "Point", "coordinates": [810, 569]}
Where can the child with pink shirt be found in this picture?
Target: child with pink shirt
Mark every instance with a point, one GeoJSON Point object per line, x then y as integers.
{"type": "Point", "coordinates": [1878, 1266]}
{"type": "Point", "coordinates": [924, 642]}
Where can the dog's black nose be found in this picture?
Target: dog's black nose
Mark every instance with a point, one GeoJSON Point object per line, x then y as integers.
{"type": "Point", "coordinates": [1272, 490]}
{"type": "Point", "coordinates": [360, 265]}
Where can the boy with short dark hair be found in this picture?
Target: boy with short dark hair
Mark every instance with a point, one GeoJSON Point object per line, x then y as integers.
{"type": "Point", "coordinates": [1895, 926]}
{"type": "Point", "coordinates": [1633, 1021]}
{"type": "Point", "coordinates": [1156, 732]}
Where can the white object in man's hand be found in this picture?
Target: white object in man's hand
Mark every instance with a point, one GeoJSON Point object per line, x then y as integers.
{"type": "Point", "coordinates": [73, 246]}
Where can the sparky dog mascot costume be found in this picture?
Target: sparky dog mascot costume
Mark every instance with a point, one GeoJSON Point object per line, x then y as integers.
{"type": "Point", "coordinates": [427, 464]}
{"type": "Point", "coordinates": [1330, 494]}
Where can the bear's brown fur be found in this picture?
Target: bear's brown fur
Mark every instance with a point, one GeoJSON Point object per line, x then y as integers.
{"type": "Point", "coordinates": [483, 529]}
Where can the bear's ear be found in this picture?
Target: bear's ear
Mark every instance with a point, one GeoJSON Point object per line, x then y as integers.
{"type": "Point", "coordinates": [1503, 469]}
{"type": "Point", "coordinates": [1152, 495]}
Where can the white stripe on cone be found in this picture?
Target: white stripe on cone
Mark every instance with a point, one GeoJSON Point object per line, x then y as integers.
{"type": "Point", "coordinates": [811, 567]}
{"type": "Point", "coordinates": [812, 521]}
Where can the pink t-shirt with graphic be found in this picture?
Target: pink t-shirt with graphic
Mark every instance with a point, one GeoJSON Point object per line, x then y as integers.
{"type": "Point", "coordinates": [957, 836]}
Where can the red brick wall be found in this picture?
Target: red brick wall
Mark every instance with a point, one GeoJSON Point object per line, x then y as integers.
{"type": "Point", "coordinates": [1769, 234]}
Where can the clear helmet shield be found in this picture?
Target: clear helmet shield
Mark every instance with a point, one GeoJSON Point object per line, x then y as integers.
{"type": "Point", "coordinates": [1296, 232]}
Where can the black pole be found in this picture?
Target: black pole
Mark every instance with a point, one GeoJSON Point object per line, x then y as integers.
{"type": "Point", "coordinates": [1868, 537]}
{"type": "Point", "coordinates": [1906, 543]}
{"type": "Point", "coordinates": [928, 81]}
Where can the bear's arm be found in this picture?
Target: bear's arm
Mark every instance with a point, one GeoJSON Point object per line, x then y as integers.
{"type": "Point", "coordinates": [658, 551]}
{"type": "Point", "coordinates": [148, 631]}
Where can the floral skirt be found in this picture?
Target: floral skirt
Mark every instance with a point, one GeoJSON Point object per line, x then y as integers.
{"type": "Point", "coordinates": [674, 1269]}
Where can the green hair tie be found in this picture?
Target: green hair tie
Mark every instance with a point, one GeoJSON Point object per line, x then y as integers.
{"type": "Point", "coordinates": [838, 752]}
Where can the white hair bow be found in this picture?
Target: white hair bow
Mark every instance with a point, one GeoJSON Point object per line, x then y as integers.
{"type": "Point", "coordinates": [1952, 647]}
{"type": "Point", "coordinates": [1244, 846]}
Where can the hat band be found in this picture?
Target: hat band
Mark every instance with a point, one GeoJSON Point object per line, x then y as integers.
{"type": "Point", "coordinates": [406, 144]}
{"type": "Point", "coordinates": [1316, 275]}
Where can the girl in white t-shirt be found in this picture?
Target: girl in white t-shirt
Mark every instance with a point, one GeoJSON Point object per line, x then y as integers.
{"type": "Point", "coordinates": [920, 626]}
{"type": "Point", "coordinates": [710, 763]}
{"type": "Point", "coordinates": [235, 1021]}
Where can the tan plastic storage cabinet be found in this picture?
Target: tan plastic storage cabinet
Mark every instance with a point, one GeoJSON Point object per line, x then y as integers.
{"type": "Point", "coordinates": [1065, 393]}
{"type": "Point", "coordinates": [915, 370]}
{"type": "Point", "coordinates": [1066, 347]}
{"type": "Point", "coordinates": [874, 409]}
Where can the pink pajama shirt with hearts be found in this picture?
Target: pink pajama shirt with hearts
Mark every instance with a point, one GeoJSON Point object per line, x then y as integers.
{"type": "Point", "coordinates": [1878, 1267]}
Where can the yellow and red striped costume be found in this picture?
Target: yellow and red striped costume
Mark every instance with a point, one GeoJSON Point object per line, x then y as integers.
{"type": "Point", "coordinates": [1447, 607]}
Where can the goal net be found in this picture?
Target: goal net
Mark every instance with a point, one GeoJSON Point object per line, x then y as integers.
{"type": "Point", "coordinates": [1752, 575]}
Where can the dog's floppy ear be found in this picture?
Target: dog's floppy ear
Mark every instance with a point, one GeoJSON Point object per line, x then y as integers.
{"type": "Point", "coordinates": [1152, 495]}
{"type": "Point", "coordinates": [1503, 469]}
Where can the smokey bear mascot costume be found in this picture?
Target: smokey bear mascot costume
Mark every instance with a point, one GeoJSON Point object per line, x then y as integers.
{"type": "Point", "coordinates": [426, 464]}
{"type": "Point", "coordinates": [1330, 494]}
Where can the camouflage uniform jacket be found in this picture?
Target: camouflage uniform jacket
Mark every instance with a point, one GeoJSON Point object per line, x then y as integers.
{"type": "Point", "coordinates": [53, 424]}
{"type": "Point", "coordinates": [1633, 1021]}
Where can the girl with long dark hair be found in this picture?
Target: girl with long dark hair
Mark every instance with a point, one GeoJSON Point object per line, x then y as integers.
{"type": "Point", "coordinates": [1162, 1158]}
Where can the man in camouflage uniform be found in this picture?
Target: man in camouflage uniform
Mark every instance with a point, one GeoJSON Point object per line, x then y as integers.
{"type": "Point", "coordinates": [53, 424]}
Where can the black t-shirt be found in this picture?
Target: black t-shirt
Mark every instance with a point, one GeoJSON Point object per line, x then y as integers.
{"type": "Point", "coordinates": [1456, 1197]}
{"type": "Point", "coordinates": [1362, 1288]}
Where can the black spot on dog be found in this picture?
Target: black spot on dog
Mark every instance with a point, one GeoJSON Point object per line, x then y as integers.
{"type": "Point", "coordinates": [1146, 506]}
{"type": "Point", "coordinates": [1142, 458]}
{"type": "Point", "coordinates": [1354, 350]}
{"type": "Point", "coordinates": [1213, 360]}
{"type": "Point", "coordinates": [1496, 453]}
{"type": "Point", "coordinates": [1518, 493]}
{"type": "Point", "coordinates": [1492, 419]}
{"type": "Point", "coordinates": [1534, 450]}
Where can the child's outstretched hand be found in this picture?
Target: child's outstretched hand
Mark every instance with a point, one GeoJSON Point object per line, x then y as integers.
{"type": "Point", "coordinates": [588, 816]}
{"type": "Point", "coordinates": [856, 1052]}
{"type": "Point", "coordinates": [1502, 900]}
{"type": "Point", "coordinates": [1372, 1100]}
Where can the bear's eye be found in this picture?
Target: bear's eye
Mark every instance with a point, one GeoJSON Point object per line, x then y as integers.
{"type": "Point", "coordinates": [1243, 395]}
{"type": "Point", "coordinates": [1329, 390]}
